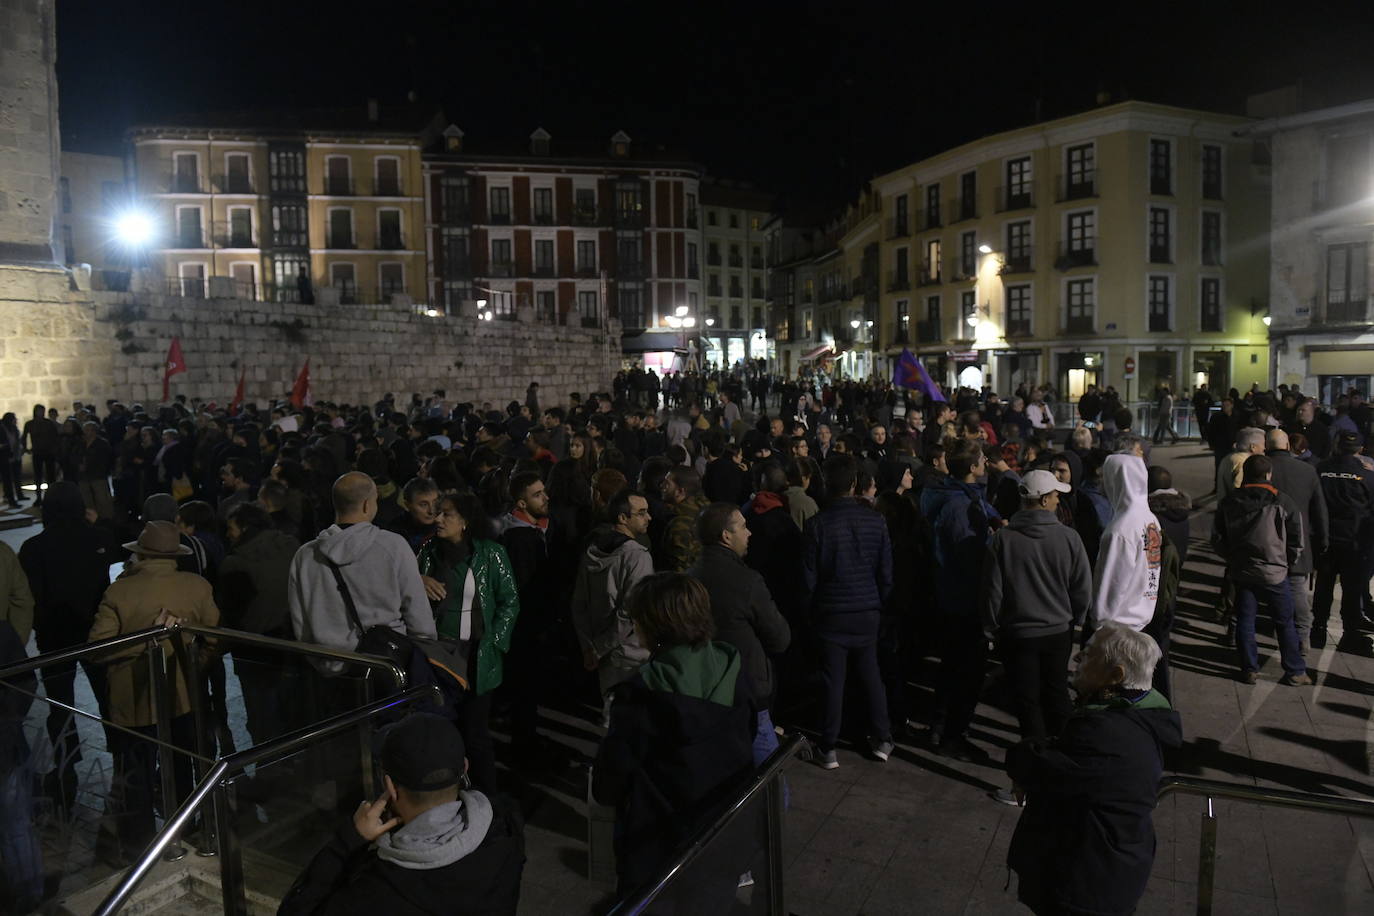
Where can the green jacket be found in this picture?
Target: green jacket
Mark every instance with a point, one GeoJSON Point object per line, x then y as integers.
{"type": "Point", "coordinates": [496, 597]}
{"type": "Point", "coordinates": [680, 547]}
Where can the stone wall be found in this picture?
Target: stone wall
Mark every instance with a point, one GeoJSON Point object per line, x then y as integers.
{"type": "Point", "coordinates": [95, 346]}
{"type": "Point", "coordinates": [28, 130]}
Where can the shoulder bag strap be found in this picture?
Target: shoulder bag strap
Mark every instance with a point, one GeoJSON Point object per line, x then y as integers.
{"type": "Point", "coordinates": [347, 596]}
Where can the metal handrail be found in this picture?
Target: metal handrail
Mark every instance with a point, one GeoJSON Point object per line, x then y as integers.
{"type": "Point", "coordinates": [271, 752]}
{"type": "Point", "coordinates": [638, 901]}
{"type": "Point", "coordinates": [1283, 798]}
{"type": "Point", "coordinates": [398, 675]}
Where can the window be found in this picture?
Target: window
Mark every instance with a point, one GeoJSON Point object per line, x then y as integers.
{"type": "Point", "coordinates": [736, 317]}
{"type": "Point", "coordinates": [192, 276]}
{"type": "Point", "coordinates": [236, 180]}
{"type": "Point", "coordinates": [287, 170]}
{"type": "Point", "coordinates": [933, 308]}
{"type": "Point", "coordinates": [713, 285]}
{"type": "Point", "coordinates": [500, 205]}
{"type": "Point", "coordinates": [736, 288]}
{"type": "Point", "coordinates": [1019, 310]}
{"type": "Point", "coordinates": [754, 224]}
{"type": "Point", "coordinates": [903, 328]}
{"type": "Point", "coordinates": [736, 259]}
{"type": "Point", "coordinates": [756, 258]}
{"type": "Point", "coordinates": [543, 258]}
{"type": "Point", "coordinates": [968, 255]}
{"type": "Point", "coordinates": [1080, 172]}
{"type": "Point", "coordinates": [500, 257]}
{"type": "Point", "coordinates": [240, 227]}
{"type": "Point", "coordinates": [292, 273]}
{"type": "Point", "coordinates": [691, 211]}
{"type": "Point", "coordinates": [289, 226]}
{"type": "Point", "coordinates": [629, 202]}
{"type": "Point", "coordinates": [734, 220]}
{"type": "Point", "coordinates": [1161, 306]}
{"type": "Point", "coordinates": [1018, 183]}
{"type": "Point", "coordinates": [188, 228]}
{"type": "Point", "coordinates": [1161, 167]}
{"type": "Point", "coordinates": [930, 267]}
{"type": "Point", "coordinates": [901, 271]}
{"type": "Point", "coordinates": [1210, 304]}
{"type": "Point", "coordinates": [692, 300]}
{"type": "Point", "coordinates": [968, 313]}
{"type": "Point", "coordinates": [1080, 305]}
{"type": "Point", "coordinates": [389, 230]}
{"type": "Point", "coordinates": [65, 188]}
{"type": "Point", "coordinates": [386, 181]}
{"type": "Point", "coordinates": [1018, 258]}
{"type": "Point", "coordinates": [589, 308]}
{"type": "Point", "coordinates": [546, 305]}
{"type": "Point", "coordinates": [900, 215]}
{"type": "Point", "coordinates": [186, 173]}
{"type": "Point", "coordinates": [1211, 172]}
{"type": "Point", "coordinates": [343, 278]}
{"type": "Point", "coordinates": [968, 195]}
{"type": "Point", "coordinates": [627, 253]}
{"type": "Point", "coordinates": [1347, 281]}
{"type": "Point", "coordinates": [757, 316]}
{"type": "Point", "coordinates": [631, 306]}
{"type": "Point", "coordinates": [584, 206]}
{"type": "Point", "coordinates": [808, 324]}
{"type": "Point", "coordinates": [391, 279]}
{"type": "Point", "coordinates": [457, 254]}
{"type": "Point", "coordinates": [245, 277]}
{"type": "Point", "coordinates": [340, 228]}
{"type": "Point", "coordinates": [68, 244]}
{"type": "Point", "coordinates": [455, 199]}
{"type": "Point", "coordinates": [338, 176]}
{"type": "Point", "coordinates": [932, 206]}
{"type": "Point", "coordinates": [756, 290]}
{"type": "Point", "coordinates": [1081, 245]}
{"type": "Point", "coordinates": [1211, 238]}
{"type": "Point", "coordinates": [808, 288]}
{"type": "Point", "coordinates": [710, 217]}
{"type": "Point", "coordinates": [1160, 236]}
{"type": "Point", "coordinates": [713, 254]}
{"type": "Point", "coordinates": [586, 256]}
{"type": "Point", "coordinates": [693, 268]}
{"type": "Point", "coordinates": [543, 206]}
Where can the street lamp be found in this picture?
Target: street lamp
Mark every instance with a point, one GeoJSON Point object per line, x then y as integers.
{"type": "Point", "coordinates": [710, 322]}
{"type": "Point", "coordinates": [985, 248]}
{"type": "Point", "coordinates": [134, 228]}
{"type": "Point", "coordinates": [1266, 319]}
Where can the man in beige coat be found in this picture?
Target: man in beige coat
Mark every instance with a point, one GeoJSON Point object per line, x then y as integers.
{"type": "Point", "coordinates": [151, 592]}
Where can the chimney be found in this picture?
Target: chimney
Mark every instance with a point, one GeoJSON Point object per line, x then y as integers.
{"type": "Point", "coordinates": [373, 111]}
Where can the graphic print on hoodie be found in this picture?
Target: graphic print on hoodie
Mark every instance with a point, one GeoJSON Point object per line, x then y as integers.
{"type": "Point", "coordinates": [1130, 560]}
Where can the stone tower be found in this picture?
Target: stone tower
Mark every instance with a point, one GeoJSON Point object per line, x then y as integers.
{"type": "Point", "coordinates": [29, 145]}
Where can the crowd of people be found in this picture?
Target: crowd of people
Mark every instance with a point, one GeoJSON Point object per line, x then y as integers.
{"type": "Point", "coordinates": [708, 575]}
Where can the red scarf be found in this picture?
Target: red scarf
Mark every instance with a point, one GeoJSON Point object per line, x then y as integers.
{"type": "Point", "coordinates": [542, 524]}
{"type": "Point", "coordinates": [1262, 486]}
{"type": "Point", "coordinates": [764, 501]}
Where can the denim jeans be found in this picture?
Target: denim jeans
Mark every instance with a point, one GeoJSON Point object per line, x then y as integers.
{"type": "Point", "coordinates": [836, 660]}
{"type": "Point", "coordinates": [19, 848]}
{"type": "Point", "coordinates": [1278, 600]}
{"type": "Point", "coordinates": [765, 739]}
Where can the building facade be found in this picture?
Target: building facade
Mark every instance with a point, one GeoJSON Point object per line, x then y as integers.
{"type": "Point", "coordinates": [1321, 325]}
{"type": "Point", "coordinates": [736, 273]}
{"type": "Point", "coordinates": [1123, 246]}
{"type": "Point", "coordinates": [328, 206]}
{"type": "Point", "coordinates": [575, 238]}
{"type": "Point", "coordinates": [91, 195]}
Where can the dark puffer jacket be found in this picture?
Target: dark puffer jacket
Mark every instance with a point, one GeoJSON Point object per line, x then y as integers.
{"type": "Point", "coordinates": [847, 566]}
{"type": "Point", "coordinates": [1086, 841]}
{"type": "Point", "coordinates": [1258, 532]}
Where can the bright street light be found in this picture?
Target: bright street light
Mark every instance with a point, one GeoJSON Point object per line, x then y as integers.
{"type": "Point", "coordinates": [481, 303]}
{"type": "Point", "coordinates": [672, 321]}
{"type": "Point", "coordinates": [680, 311]}
{"type": "Point", "coordinates": [710, 322]}
{"type": "Point", "coordinates": [1266, 319]}
{"type": "Point", "coordinates": [134, 228]}
{"type": "Point", "coordinates": [985, 248]}
{"type": "Point", "coordinates": [689, 322]}
{"type": "Point", "coordinates": [432, 313]}
{"type": "Point", "coordinates": [854, 323]}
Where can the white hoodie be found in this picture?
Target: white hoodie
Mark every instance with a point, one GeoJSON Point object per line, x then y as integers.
{"type": "Point", "coordinates": [1126, 580]}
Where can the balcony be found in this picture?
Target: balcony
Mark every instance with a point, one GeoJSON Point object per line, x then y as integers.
{"type": "Point", "coordinates": [1077, 186]}
{"type": "Point", "coordinates": [1160, 254]}
{"type": "Point", "coordinates": [692, 219]}
{"type": "Point", "coordinates": [1159, 322]}
{"type": "Point", "coordinates": [185, 184]}
{"type": "Point", "coordinates": [899, 335]}
{"type": "Point", "coordinates": [499, 218]}
{"type": "Point", "coordinates": [713, 289]}
{"type": "Point", "coordinates": [455, 213]}
{"type": "Point", "coordinates": [1211, 189]}
{"type": "Point", "coordinates": [1211, 254]}
{"type": "Point", "coordinates": [929, 219]}
{"type": "Point", "coordinates": [457, 269]}
{"type": "Point", "coordinates": [386, 187]}
{"type": "Point", "coordinates": [287, 184]}
{"type": "Point", "coordinates": [1081, 253]}
{"type": "Point", "coordinates": [1016, 197]}
{"type": "Point", "coordinates": [929, 331]}
{"type": "Point", "coordinates": [1161, 185]}
{"type": "Point", "coordinates": [1079, 324]}
{"type": "Point", "coordinates": [189, 238]}
{"type": "Point", "coordinates": [590, 321]}
{"type": "Point", "coordinates": [233, 184]}
{"type": "Point", "coordinates": [963, 208]}
{"type": "Point", "coordinates": [629, 218]}
{"type": "Point", "coordinates": [899, 228]}
{"type": "Point", "coordinates": [585, 216]}
{"type": "Point", "coordinates": [960, 269]}
{"type": "Point", "coordinates": [501, 269]}
{"type": "Point", "coordinates": [929, 275]}
{"type": "Point", "coordinates": [341, 240]}
{"type": "Point", "coordinates": [693, 272]}
{"type": "Point", "coordinates": [713, 259]}
{"type": "Point", "coordinates": [543, 218]}
{"type": "Point", "coordinates": [631, 269]}
{"type": "Point", "coordinates": [1019, 263]}
{"type": "Point", "coordinates": [736, 291]}
{"type": "Point", "coordinates": [898, 280]}
{"type": "Point", "coordinates": [390, 241]}
{"type": "Point", "coordinates": [1018, 327]}
{"type": "Point", "coordinates": [290, 238]}
{"type": "Point", "coordinates": [1347, 311]}
{"type": "Point", "coordinates": [756, 263]}
{"type": "Point", "coordinates": [338, 186]}
{"type": "Point", "coordinates": [736, 260]}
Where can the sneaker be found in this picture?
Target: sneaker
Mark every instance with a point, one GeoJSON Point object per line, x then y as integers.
{"type": "Point", "coordinates": [828, 760]}
{"type": "Point", "coordinates": [1296, 680]}
{"type": "Point", "coordinates": [1006, 797]}
{"type": "Point", "coordinates": [881, 749]}
{"type": "Point", "coordinates": [746, 879]}
{"type": "Point", "coordinates": [1249, 677]}
{"type": "Point", "coordinates": [1317, 638]}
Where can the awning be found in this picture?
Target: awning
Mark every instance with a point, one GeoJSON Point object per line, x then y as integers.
{"type": "Point", "coordinates": [649, 342]}
{"type": "Point", "coordinates": [822, 349]}
{"type": "Point", "coordinates": [1340, 362]}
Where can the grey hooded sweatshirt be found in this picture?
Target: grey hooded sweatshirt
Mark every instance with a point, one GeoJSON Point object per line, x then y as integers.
{"type": "Point", "coordinates": [440, 836]}
{"type": "Point", "coordinates": [1036, 578]}
{"type": "Point", "coordinates": [380, 571]}
{"type": "Point", "coordinates": [611, 566]}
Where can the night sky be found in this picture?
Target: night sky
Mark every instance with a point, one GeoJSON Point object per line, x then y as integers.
{"type": "Point", "coordinates": [806, 99]}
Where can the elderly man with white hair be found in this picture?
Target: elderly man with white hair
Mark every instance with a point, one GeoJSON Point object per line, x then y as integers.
{"type": "Point", "coordinates": [1086, 842]}
{"type": "Point", "coordinates": [1249, 441]}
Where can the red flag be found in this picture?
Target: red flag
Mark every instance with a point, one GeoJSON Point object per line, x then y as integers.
{"type": "Point", "coordinates": [238, 394]}
{"type": "Point", "coordinates": [175, 364]}
{"type": "Point", "coordinates": [300, 392]}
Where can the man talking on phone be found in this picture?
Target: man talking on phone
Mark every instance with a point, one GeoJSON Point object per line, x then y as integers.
{"type": "Point", "coordinates": [429, 844]}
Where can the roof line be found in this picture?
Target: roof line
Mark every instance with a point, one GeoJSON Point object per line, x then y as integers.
{"type": "Point", "coordinates": [1305, 118]}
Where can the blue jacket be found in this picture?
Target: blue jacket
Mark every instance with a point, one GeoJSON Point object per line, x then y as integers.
{"type": "Point", "coordinates": [959, 515]}
{"type": "Point", "coordinates": [847, 567]}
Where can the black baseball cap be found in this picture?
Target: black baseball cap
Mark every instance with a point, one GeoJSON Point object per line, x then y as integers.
{"type": "Point", "coordinates": [1347, 443]}
{"type": "Point", "coordinates": [423, 753]}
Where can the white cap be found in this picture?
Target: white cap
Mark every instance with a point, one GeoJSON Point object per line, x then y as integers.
{"type": "Point", "coordinates": [1037, 483]}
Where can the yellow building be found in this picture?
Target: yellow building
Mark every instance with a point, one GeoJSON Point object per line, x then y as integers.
{"type": "Point", "coordinates": [91, 193]}
{"type": "Point", "coordinates": [330, 205]}
{"type": "Point", "coordinates": [1124, 246]}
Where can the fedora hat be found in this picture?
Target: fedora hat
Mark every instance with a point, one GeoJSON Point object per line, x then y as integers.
{"type": "Point", "coordinates": [159, 541]}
